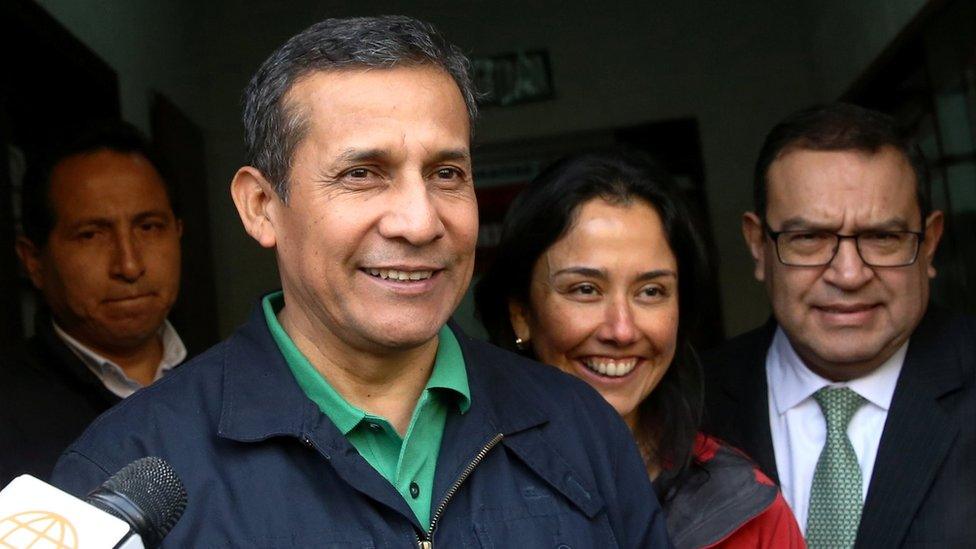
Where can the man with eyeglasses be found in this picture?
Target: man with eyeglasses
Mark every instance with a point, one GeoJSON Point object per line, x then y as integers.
{"type": "Point", "coordinates": [857, 396]}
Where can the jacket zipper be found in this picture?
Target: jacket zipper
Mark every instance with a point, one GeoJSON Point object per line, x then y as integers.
{"type": "Point", "coordinates": [426, 540]}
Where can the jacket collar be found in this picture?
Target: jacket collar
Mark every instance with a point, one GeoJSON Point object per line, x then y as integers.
{"type": "Point", "coordinates": [55, 356]}
{"type": "Point", "coordinates": [261, 398]}
{"type": "Point", "coordinates": [489, 382]}
{"type": "Point", "coordinates": [723, 493]}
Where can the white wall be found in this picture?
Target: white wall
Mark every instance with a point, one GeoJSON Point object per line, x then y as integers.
{"type": "Point", "coordinates": [736, 66]}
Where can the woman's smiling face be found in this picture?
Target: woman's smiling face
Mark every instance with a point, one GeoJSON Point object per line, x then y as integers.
{"type": "Point", "coordinates": [603, 302]}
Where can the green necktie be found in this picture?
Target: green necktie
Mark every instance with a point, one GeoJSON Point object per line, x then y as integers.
{"type": "Point", "coordinates": [835, 497]}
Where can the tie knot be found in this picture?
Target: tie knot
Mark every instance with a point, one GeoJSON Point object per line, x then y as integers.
{"type": "Point", "coordinates": [838, 405]}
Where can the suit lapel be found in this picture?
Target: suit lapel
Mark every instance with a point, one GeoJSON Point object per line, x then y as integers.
{"type": "Point", "coordinates": [745, 386]}
{"type": "Point", "coordinates": [754, 402]}
{"type": "Point", "coordinates": [916, 438]}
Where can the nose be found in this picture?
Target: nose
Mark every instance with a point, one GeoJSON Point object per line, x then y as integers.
{"type": "Point", "coordinates": [618, 328]}
{"type": "Point", "coordinates": [847, 270]}
{"type": "Point", "coordinates": [127, 262]}
{"type": "Point", "coordinates": [412, 214]}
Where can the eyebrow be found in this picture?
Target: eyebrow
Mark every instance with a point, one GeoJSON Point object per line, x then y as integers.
{"type": "Point", "coordinates": [602, 274]}
{"type": "Point", "coordinates": [93, 221]}
{"type": "Point", "coordinates": [360, 155]}
{"type": "Point", "coordinates": [108, 222]}
{"type": "Point", "coordinates": [657, 273]}
{"type": "Point", "coordinates": [142, 216]}
{"type": "Point", "coordinates": [800, 222]}
{"type": "Point", "coordinates": [452, 154]}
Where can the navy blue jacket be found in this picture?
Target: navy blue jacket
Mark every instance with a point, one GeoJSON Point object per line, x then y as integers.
{"type": "Point", "coordinates": [539, 460]}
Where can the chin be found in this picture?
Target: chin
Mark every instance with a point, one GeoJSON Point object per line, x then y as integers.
{"type": "Point", "coordinates": [846, 352]}
{"type": "Point", "coordinates": [400, 336]}
{"type": "Point", "coordinates": [136, 324]}
{"type": "Point", "coordinates": [857, 357]}
{"type": "Point", "coordinates": [623, 408]}
{"type": "Point", "coordinates": [128, 339]}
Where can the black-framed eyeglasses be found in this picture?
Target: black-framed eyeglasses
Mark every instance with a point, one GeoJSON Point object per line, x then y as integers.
{"type": "Point", "coordinates": [810, 248]}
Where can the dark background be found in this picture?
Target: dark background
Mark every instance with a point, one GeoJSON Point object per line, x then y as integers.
{"type": "Point", "coordinates": [697, 83]}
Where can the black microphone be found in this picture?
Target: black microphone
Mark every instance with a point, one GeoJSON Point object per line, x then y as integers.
{"type": "Point", "coordinates": [147, 494]}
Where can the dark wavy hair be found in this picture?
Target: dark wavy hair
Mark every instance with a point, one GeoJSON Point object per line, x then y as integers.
{"type": "Point", "coordinates": [838, 127]}
{"type": "Point", "coordinates": [544, 213]}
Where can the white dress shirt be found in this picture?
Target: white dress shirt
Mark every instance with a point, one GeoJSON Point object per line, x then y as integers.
{"type": "Point", "coordinates": [798, 427]}
{"type": "Point", "coordinates": [111, 374]}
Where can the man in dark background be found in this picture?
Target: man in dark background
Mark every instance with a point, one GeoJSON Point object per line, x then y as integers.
{"type": "Point", "coordinates": [101, 245]}
{"type": "Point", "coordinates": [858, 395]}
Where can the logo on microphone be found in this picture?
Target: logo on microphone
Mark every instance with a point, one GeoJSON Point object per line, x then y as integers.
{"type": "Point", "coordinates": [38, 529]}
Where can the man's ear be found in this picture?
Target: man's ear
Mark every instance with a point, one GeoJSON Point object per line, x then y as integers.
{"type": "Point", "coordinates": [254, 198]}
{"type": "Point", "coordinates": [755, 237]}
{"type": "Point", "coordinates": [518, 315]}
{"type": "Point", "coordinates": [30, 258]}
{"type": "Point", "coordinates": [933, 234]}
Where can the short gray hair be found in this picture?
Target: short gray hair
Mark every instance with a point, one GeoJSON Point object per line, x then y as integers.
{"type": "Point", "coordinates": [273, 129]}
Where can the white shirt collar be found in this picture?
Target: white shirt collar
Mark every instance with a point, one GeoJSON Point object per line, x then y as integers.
{"type": "Point", "coordinates": [111, 374]}
{"type": "Point", "coordinates": [791, 382]}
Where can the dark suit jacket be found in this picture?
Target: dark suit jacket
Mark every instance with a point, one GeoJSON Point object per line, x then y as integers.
{"type": "Point", "coordinates": [47, 399]}
{"type": "Point", "coordinates": [923, 489]}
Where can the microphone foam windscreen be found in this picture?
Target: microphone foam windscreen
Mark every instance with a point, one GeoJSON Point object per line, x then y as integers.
{"type": "Point", "coordinates": [153, 485]}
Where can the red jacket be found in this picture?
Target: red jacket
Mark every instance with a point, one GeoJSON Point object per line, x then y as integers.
{"type": "Point", "coordinates": [729, 503]}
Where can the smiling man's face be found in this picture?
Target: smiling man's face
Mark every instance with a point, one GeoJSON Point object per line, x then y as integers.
{"type": "Point", "coordinates": [376, 242]}
{"type": "Point", "coordinates": [110, 270]}
{"type": "Point", "coordinates": [845, 318]}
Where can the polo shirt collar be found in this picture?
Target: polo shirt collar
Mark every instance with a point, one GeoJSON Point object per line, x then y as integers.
{"type": "Point", "coordinates": [448, 376]}
{"type": "Point", "coordinates": [262, 399]}
{"type": "Point", "coordinates": [449, 372]}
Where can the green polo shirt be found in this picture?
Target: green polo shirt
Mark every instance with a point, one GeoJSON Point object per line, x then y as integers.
{"type": "Point", "coordinates": [408, 463]}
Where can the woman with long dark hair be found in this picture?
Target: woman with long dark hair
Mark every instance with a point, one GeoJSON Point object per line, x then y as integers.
{"type": "Point", "coordinates": [599, 273]}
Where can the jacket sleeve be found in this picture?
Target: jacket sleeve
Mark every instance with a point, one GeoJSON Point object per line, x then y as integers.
{"type": "Point", "coordinates": [77, 474]}
{"type": "Point", "coordinates": [640, 520]}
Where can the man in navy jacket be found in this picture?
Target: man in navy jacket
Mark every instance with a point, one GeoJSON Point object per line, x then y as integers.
{"type": "Point", "coordinates": [345, 411]}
